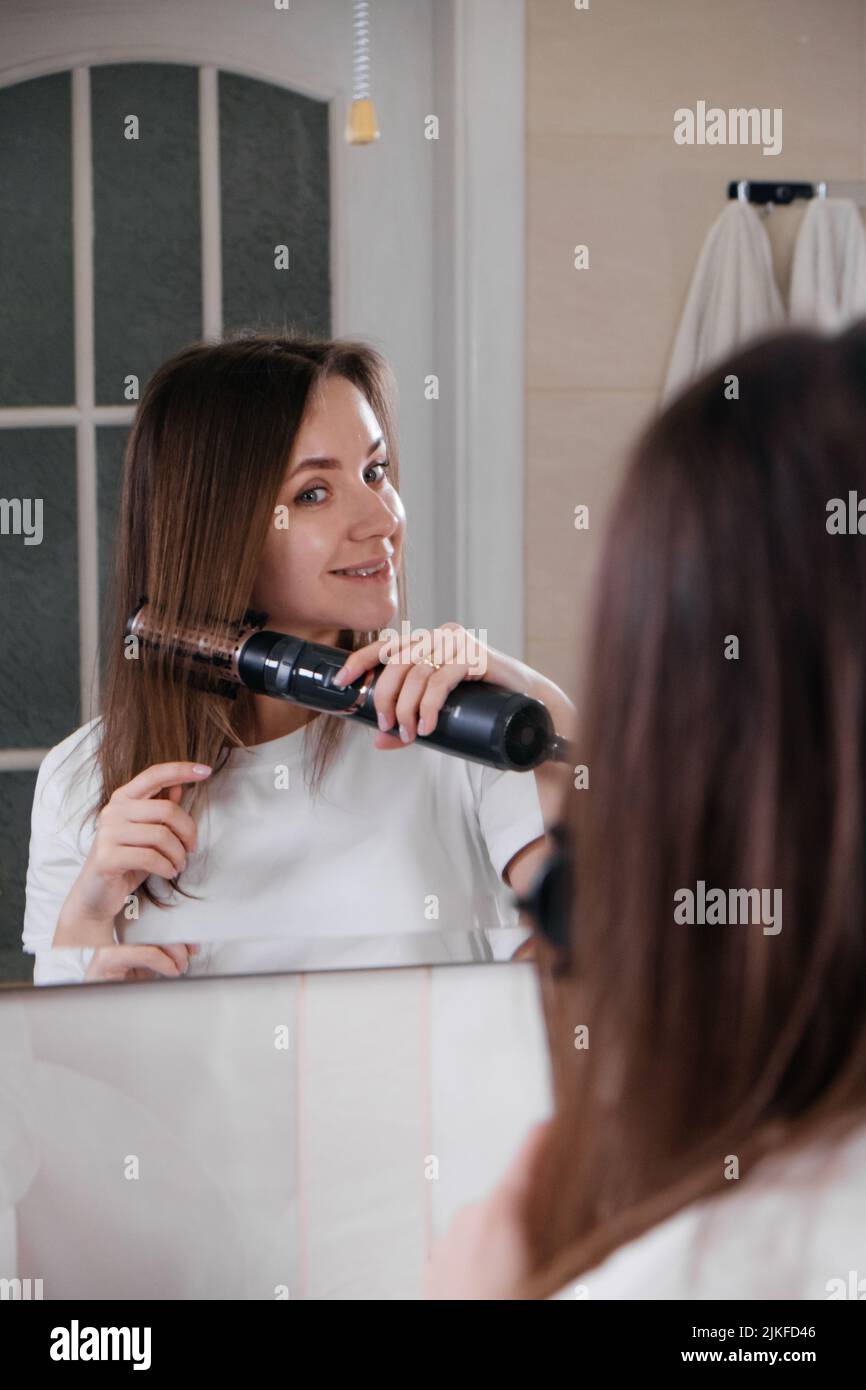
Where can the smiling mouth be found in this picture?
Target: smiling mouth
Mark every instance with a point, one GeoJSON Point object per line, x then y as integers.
{"type": "Point", "coordinates": [370, 572]}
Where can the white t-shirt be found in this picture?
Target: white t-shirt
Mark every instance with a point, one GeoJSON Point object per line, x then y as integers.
{"type": "Point", "coordinates": [794, 1229]}
{"type": "Point", "coordinates": [399, 842]}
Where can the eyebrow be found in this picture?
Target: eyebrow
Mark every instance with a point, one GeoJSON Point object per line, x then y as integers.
{"type": "Point", "coordinates": [330, 462]}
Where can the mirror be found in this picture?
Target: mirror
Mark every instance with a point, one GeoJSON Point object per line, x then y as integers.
{"type": "Point", "coordinates": [182, 194]}
{"type": "Point", "coordinates": [164, 193]}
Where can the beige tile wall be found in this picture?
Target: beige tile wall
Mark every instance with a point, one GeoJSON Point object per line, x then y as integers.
{"type": "Point", "coordinates": [309, 1168]}
{"type": "Point", "coordinates": [603, 170]}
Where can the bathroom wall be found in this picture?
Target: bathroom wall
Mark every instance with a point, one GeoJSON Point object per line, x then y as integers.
{"type": "Point", "coordinates": [160, 1141]}
{"type": "Point", "coordinates": [603, 170]}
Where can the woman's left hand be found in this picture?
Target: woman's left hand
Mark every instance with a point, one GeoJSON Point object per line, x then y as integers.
{"type": "Point", "coordinates": [410, 692]}
{"type": "Point", "coordinates": [485, 1254]}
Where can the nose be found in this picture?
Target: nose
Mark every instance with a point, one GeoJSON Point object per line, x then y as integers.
{"type": "Point", "coordinates": [374, 514]}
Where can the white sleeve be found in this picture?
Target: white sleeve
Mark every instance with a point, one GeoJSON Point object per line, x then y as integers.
{"type": "Point", "coordinates": [61, 967]}
{"type": "Point", "coordinates": [53, 866]}
{"type": "Point", "coordinates": [509, 812]}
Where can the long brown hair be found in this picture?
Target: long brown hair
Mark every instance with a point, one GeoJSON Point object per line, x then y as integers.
{"type": "Point", "coordinates": [736, 763]}
{"type": "Point", "coordinates": [204, 464]}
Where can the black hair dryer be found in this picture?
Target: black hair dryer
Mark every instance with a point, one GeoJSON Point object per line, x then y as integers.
{"type": "Point", "coordinates": [479, 721]}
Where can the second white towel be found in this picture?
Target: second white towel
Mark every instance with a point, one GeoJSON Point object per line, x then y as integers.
{"type": "Point", "coordinates": [828, 276]}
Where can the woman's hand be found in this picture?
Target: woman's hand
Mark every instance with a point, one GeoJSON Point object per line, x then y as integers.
{"type": "Point", "coordinates": [138, 833]}
{"type": "Point", "coordinates": [485, 1254]}
{"type": "Point", "coordinates": [410, 692]}
{"type": "Point", "coordinates": [139, 962]}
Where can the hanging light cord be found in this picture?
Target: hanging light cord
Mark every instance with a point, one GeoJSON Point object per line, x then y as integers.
{"type": "Point", "coordinates": [361, 64]}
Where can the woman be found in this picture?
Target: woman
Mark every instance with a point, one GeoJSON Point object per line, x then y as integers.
{"type": "Point", "coordinates": [709, 1069]}
{"type": "Point", "coordinates": [258, 472]}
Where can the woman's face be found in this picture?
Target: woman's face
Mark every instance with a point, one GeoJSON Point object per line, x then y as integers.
{"type": "Point", "coordinates": [336, 510]}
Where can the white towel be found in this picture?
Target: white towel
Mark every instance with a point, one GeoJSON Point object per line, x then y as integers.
{"type": "Point", "coordinates": [733, 295]}
{"type": "Point", "coordinates": [828, 276]}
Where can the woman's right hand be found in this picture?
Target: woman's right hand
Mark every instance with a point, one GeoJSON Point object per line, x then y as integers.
{"type": "Point", "coordinates": [139, 962]}
{"type": "Point", "coordinates": [138, 833]}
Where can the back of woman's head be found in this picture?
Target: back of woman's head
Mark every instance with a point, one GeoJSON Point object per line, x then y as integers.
{"type": "Point", "coordinates": [723, 730]}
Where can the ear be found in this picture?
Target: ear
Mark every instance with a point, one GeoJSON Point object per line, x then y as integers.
{"type": "Point", "coordinates": [522, 867]}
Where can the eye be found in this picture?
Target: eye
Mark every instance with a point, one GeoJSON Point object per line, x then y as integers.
{"type": "Point", "coordinates": [320, 487]}
{"type": "Point", "coordinates": [384, 464]}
